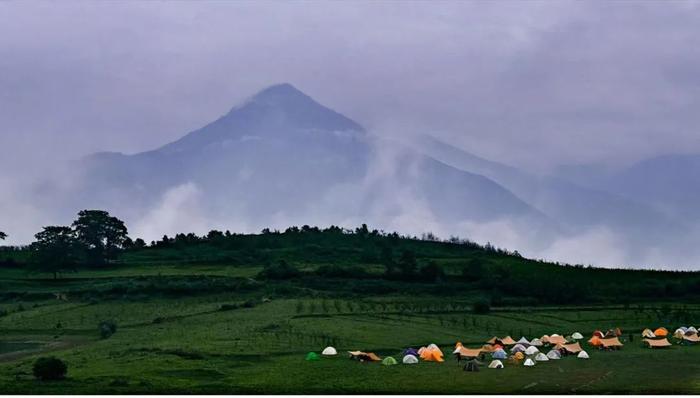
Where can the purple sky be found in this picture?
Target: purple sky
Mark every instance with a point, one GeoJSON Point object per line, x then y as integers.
{"type": "Point", "coordinates": [529, 83]}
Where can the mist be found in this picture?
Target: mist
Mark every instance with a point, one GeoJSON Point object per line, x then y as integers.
{"type": "Point", "coordinates": [538, 86]}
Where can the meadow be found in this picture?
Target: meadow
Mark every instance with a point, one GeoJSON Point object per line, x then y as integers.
{"type": "Point", "coordinates": [191, 324]}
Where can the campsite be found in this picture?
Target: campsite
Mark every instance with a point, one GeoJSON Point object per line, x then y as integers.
{"type": "Point", "coordinates": [187, 322]}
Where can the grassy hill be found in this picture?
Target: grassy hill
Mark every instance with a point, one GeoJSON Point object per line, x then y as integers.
{"type": "Point", "coordinates": [238, 313]}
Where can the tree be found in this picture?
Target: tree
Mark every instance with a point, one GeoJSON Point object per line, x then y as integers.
{"type": "Point", "coordinates": [101, 235]}
{"type": "Point", "coordinates": [407, 263]}
{"type": "Point", "coordinates": [3, 235]}
{"type": "Point", "coordinates": [50, 368]}
{"type": "Point", "coordinates": [55, 250]}
{"type": "Point", "coordinates": [432, 272]}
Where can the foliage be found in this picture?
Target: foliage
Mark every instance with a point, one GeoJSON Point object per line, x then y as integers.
{"type": "Point", "coordinates": [49, 368]}
{"type": "Point", "coordinates": [107, 329]}
{"type": "Point", "coordinates": [55, 250]}
{"type": "Point", "coordinates": [281, 270]}
{"type": "Point", "coordinates": [101, 235]}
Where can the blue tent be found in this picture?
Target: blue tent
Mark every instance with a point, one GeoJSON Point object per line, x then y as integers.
{"type": "Point", "coordinates": [411, 351]}
{"type": "Point", "coordinates": [500, 354]}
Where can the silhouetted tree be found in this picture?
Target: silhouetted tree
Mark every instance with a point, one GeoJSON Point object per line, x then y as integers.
{"type": "Point", "coordinates": [407, 263]}
{"type": "Point", "coordinates": [3, 235]}
{"type": "Point", "coordinates": [56, 250]}
{"type": "Point", "coordinates": [101, 235]}
{"type": "Point", "coordinates": [432, 272]}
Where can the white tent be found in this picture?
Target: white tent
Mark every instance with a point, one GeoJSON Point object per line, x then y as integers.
{"type": "Point", "coordinates": [529, 362]}
{"type": "Point", "coordinates": [410, 359]}
{"type": "Point", "coordinates": [553, 354]}
{"type": "Point", "coordinates": [577, 336]}
{"type": "Point", "coordinates": [329, 351]}
{"type": "Point", "coordinates": [536, 342]}
{"type": "Point", "coordinates": [518, 348]}
{"type": "Point", "coordinates": [496, 364]}
{"type": "Point", "coordinates": [432, 347]}
{"type": "Point", "coordinates": [692, 329]}
{"type": "Point", "coordinates": [532, 350]}
{"type": "Point", "coordinates": [523, 341]}
{"type": "Point", "coordinates": [681, 330]}
{"type": "Point", "coordinates": [583, 355]}
{"type": "Point", "coordinates": [541, 357]}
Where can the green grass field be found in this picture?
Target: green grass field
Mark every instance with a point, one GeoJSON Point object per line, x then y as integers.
{"type": "Point", "coordinates": [217, 327]}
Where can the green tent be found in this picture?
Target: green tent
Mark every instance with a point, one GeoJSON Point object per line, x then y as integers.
{"type": "Point", "coordinates": [312, 356]}
{"type": "Point", "coordinates": [389, 361]}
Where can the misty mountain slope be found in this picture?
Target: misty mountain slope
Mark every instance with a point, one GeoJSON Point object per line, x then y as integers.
{"type": "Point", "coordinates": [671, 183]}
{"type": "Point", "coordinates": [283, 157]}
{"type": "Point", "coordinates": [572, 205]}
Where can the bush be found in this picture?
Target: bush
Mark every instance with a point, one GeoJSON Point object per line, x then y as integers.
{"type": "Point", "coordinates": [107, 329]}
{"type": "Point", "coordinates": [49, 368]}
{"type": "Point", "coordinates": [481, 307]}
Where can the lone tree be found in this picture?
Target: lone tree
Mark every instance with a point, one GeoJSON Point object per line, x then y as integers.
{"type": "Point", "coordinates": [3, 235]}
{"type": "Point", "coordinates": [55, 250]}
{"type": "Point", "coordinates": [101, 235]}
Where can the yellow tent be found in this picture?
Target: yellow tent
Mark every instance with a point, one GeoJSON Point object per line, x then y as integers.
{"type": "Point", "coordinates": [657, 343]}
{"type": "Point", "coordinates": [661, 332]}
{"type": "Point", "coordinates": [519, 356]}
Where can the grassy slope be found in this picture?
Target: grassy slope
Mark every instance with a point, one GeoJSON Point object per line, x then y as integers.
{"type": "Point", "coordinates": [172, 336]}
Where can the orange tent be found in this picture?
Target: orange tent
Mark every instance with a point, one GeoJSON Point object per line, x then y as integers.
{"type": "Point", "coordinates": [488, 348]}
{"type": "Point", "coordinates": [611, 342]}
{"type": "Point", "coordinates": [519, 356]}
{"type": "Point", "coordinates": [431, 354]}
{"type": "Point", "coordinates": [598, 333]}
{"type": "Point", "coordinates": [508, 340]}
{"type": "Point", "coordinates": [493, 340]}
{"type": "Point", "coordinates": [572, 348]}
{"type": "Point", "coordinates": [595, 341]}
{"type": "Point", "coordinates": [657, 343]}
{"type": "Point", "coordinates": [367, 356]}
{"type": "Point", "coordinates": [661, 332]}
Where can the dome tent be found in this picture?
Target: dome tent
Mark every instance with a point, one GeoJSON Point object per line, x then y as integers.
{"type": "Point", "coordinates": [472, 366]}
{"type": "Point", "coordinates": [499, 354]}
{"type": "Point", "coordinates": [410, 359]}
{"type": "Point", "coordinates": [541, 358]}
{"type": "Point", "coordinates": [411, 351]}
{"type": "Point", "coordinates": [496, 364]}
{"type": "Point", "coordinates": [329, 351]}
{"type": "Point", "coordinates": [518, 348]}
{"type": "Point", "coordinates": [529, 362]}
{"type": "Point", "coordinates": [583, 355]}
{"type": "Point", "coordinates": [553, 354]}
{"type": "Point", "coordinates": [576, 336]}
{"type": "Point", "coordinates": [523, 341]}
{"type": "Point", "coordinates": [388, 361]}
{"type": "Point", "coordinates": [536, 342]}
{"type": "Point", "coordinates": [312, 356]}
{"type": "Point", "coordinates": [532, 350]}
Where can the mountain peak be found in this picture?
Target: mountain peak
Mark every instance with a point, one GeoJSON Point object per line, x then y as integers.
{"type": "Point", "coordinates": [280, 94]}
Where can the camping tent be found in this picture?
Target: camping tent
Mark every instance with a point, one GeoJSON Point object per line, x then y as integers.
{"type": "Point", "coordinates": [529, 362]}
{"type": "Point", "coordinates": [661, 332]}
{"type": "Point", "coordinates": [582, 355]}
{"type": "Point", "coordinates": [494, 340]}
{"type": "Point", "coordinates": [679, 334]}
{"type": "Point", "coordinates": [329, 351]}
{"type": "Point", "coordinates": [657, 343]}
{"type": "Point", "coordinates": [595, 341]}
{"type": "Point", "coordinates": [536, 342]}
{"type": "Point", "coordinates": [312, 356]}
{"type": "Point", "coordinates": [388, 361]}
{"type": "Point", "coordinates": [577, 336]}
{"type": "Point", "coordinates": [431, 353]}
{"type": "Point", "coordinates": [364, 356]}
{"type": "Point", "coordinates": [598, 333]}
{"type": "Point", "coordinates": [541, 357]}
{"type": "Point", "coordinates": [681, 330]}
{"type": "Point", "coordinates": [557, 339]}
{"type": "Point", "coordinates": [612, 342]}
{"type": "Point", "coordinates": [545, 338]}
{"type": "Point", "coordinates": [532, 350]}
{"type": "Point", "coordinates": [523, 341]}
{"type": "Point", "coordinates": [499, 354]}
{"type": "Point", "coordinates": [508, 340]}
{"type": "Point", "coordinates": [691, 338]}
{"type": "Point", "coordinates": [411, 351]}
{"type": "Point", "coordinates": [410, 359]}
{"type": "Point", "coordinates": [519, 356]}
{"type": "Point", "coordinates": [465, 352]}
{"type": "Point", "coordinates": [553, 354]}
{"type": "Point", "coordinates": [488, 348]}
{"type": "Point", "coordinates": [573, 348]}
{"type": "Point", "coordinates": [692, 329]}
{"type": "Point", "coordinates": [496, 364]}
{"type": "Point", "coordinates": [518, 348]}
{"type": "Point", "coordinates": [648, 334]}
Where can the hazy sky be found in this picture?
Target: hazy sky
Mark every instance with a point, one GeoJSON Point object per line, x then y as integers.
{"type": "Point", "coordinates": [528, 83]}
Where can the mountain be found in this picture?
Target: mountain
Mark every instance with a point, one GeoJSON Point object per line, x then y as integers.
{"type": "Point", "coordinates": [281, 157]}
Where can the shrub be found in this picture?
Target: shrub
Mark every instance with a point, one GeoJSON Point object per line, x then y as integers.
{"type": "Point", "coordinates": [481, 307]}
{"type": "Point", "coordinates": [107, 329]}
{"type": "Point", "coordinates": [49, 368]}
